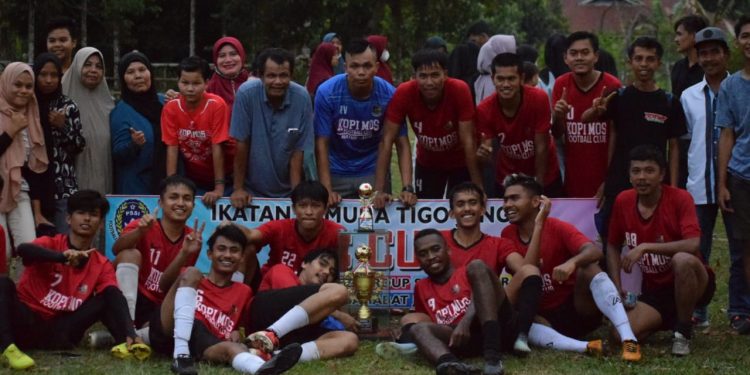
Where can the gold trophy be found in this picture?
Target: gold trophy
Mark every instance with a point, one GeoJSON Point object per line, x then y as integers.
{"type": "Point", "coordinates": [364, 285]}
{"type": "Point", "coordinates": [366, 210]}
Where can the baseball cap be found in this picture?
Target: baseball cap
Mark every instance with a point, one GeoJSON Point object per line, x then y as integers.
{"type": "Point", "coordinates": [711, 34]}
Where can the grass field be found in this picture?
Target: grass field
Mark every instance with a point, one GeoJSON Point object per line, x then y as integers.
{"type": "Point", "coordinates": [715, 351]}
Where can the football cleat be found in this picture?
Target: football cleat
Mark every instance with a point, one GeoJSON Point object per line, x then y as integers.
{"type": "Point", "coordinates": [594, 348]}
{"type": "Point", "coordinates": [266, 341]}
{"type": "Point", "coordinates": [392, 349]}
{"type": "Point", "coordinates": [184, 365]}
{"type": "Point", "coordinates": [680, 345]}
{"type": "Point", "coordinates": [284, 360]}
{"type": "Point", "coordinates": [16, 359]}
{"type": "Point", "coordinates": [631, 351]}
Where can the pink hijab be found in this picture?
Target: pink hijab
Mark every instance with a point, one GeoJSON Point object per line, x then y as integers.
{"type": "Point", "coordinates": [15, 156]}
{"type": "Point", "coordinates": [320, 66]}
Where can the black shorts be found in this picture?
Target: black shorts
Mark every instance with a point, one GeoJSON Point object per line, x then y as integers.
{"type": "Point", "coordinates": [566, 319]}
{"type": "Point", "coordinates": [507, 317]}
{"type": "Point", "coordinates": [200, 338]}
{"type": "Point", "coordinates": [662, 300]}
{"type": "Point", "coordinates": [430, 183]}
{"type": "Point", "coordinates": [144, 309]}
{"type": "Point", "coordinates": [740, 190]}
{"type": "Point", "coordinates": [268, 306]}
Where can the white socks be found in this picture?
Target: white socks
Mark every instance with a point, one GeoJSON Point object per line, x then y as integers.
{"type": "Point", "coordinates": [143, 333]}
{"type": "Point", "coordinates": [610, 304]}
{"type": "Point", "coordinates": [546, 337]}
{"type": "Point", "coordinates": [295, 318]}
{"type": "Point", "coordinates": [247, 363]}
{"type": "Point", "coordinates": [184, 315]}
{"type": "Point", "coordinates": [127, 279]}
{"type": "Point", "coordinates": [309, 352]}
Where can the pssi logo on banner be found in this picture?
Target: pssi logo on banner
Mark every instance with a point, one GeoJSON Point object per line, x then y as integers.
{"type": "Point", "coordinates": [127, 211]}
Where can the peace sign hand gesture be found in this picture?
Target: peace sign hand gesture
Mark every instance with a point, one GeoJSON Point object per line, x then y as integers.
{"type": "Point", "coordinates": [193, 241]}
{"type": "Point", "coordinates": [601, 103]}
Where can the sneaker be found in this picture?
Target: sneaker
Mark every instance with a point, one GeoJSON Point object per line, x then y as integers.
{"type": "Point", "coordinates": [595, 348]}
{"type": "Point", "coordinates": [680, 345]}
{"type": "Point", "coordinates": [521, 346]}
{"type": "Point", "coordinates": [284, 360]}
{"type": "Point", "coordinates": [121, 351]}
{"type": "Point", "coordinates": [393, 349]}
{"type": "Point", "coordinates": [631, 351]}
{"type": "Point", "coordinates": [700, 323]}
{"type": "Point", "coordinates": [140, 352]}
{"type": "Point", "coordinates": [16, 359]}
{"type": "Point", "coordinates": [100, 340]}
{"type": "Point", "coordinates": [266, 341]}
{"type": "Point", "coordinates": [455, 368]}
{"type": "Point", "coordinates": [184, 365]}
{"type": "Point", "coordinates": [740, 324]}
{"type": "Point", "coordinates": [493, 368]}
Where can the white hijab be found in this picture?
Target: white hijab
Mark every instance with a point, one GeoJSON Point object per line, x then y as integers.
{"type": "Point", "coordinates": [483, 86]}
{"type": "Point", "coordinates": [94, 163]}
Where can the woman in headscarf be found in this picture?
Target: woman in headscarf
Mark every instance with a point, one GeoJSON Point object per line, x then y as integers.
{"type": "Point", "coordinates": [135, 125]}
{"type": "Point", "coordinates": [84, 83]}
{"type": "Point", "coordinates": [483, 86]}
{"type": "Point", "coordinates": [61, 124]}
{"type": "Point", "coordinates": [22, 151]}
{"type": "Point", "coordinates": [321, 66]}
{"type": "Point", "coordinates": [336, 40]}
{"type": "Point", "coordinates": [380, 43]}
{"type": "Point", "coordinates": [229, 69]}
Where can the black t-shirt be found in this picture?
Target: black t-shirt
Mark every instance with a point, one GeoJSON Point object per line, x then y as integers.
{"type": "Point", "coordinates": [640, 118]}
{"type": "Point", "coordinates": [684, 76]}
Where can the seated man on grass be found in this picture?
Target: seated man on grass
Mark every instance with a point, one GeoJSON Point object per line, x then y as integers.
{"type": "Point", "coordinates": [659, 225]}
{"type": "Point", "coordinates": [201, 316]}
{"type": "Point", "coordinates": [302, 307]}
{"type": "Point", "coordinates": [576, 292]}
{"type": "Point", "coordinates": [66, 287]}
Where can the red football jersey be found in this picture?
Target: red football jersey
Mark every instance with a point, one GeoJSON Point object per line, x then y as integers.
{"type": "Point", "coordinates": [279, 276]}
{"type": "Point", "coordinates": [52, 288]}
{"type": "Point", "coordinates": [674, 219]}
{"type": "Point", "coordinates": [560, 242]}
{"type": "Point", "coordinates": [157, 252]}
{"type": "Point", "coordinates": [516, 135]}
{"type": "Point", "coordinates": [194, 132]}
{"type": "Point", "coordinates": [490, 249]}
{"type": "Point", "coordinates": [289, 248]}
{"type": "Point", "coordinates": [221, 309]}
{"type": "Point", "coordinates": [444, 303]}
{"type": "Point", "coordinates": [436, 130]}
{"type": "Point", "coordinates": [586, 143]}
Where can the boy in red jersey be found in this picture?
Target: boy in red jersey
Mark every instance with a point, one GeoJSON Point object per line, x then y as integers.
{"type": "Point", "coordinates": [441, 113]}
{"type": "Point", "coordinates": [299, 306]}
{"type": "Point", "coordinates": [467, 306]}
{"type": "Point", "coordinates": [519, 117]}
{"type": "Point", "coordinates": [659, 225]}
{"type": "Point", "coordinates": [201, 316]}
{"type": "Point", "coordinates": [586, 143]}
{"type": "Point", "coordinates": [196, 126]}
{"type": "Point", "coordinates": [66, 287]}
{"type": "Point", "coordinates": [151, 251]}
{"type": "Point", "coordinates": [291, 239]}
{"type": "Point", "coordinates": [576, 292]}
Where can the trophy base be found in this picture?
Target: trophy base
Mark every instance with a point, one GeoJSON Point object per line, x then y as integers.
{"type": "Point", "coordinates": [378, 327]}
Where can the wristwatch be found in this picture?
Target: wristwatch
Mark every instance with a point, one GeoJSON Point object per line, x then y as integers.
{"type": "Point", "coordinates": [408, 188]}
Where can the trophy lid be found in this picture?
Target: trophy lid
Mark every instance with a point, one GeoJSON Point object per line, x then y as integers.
{"type": "Point", "coordinates": [365, 190]}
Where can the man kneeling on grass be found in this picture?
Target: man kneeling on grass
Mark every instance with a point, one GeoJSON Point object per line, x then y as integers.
{"type": "Point", "coordinates": [659, 225]}
{"type": "Point", "coordinates": [66, 287]}
{"type": "Point", "coordinates": [200, 316]}
{"type": "Point", "coordinates": [302, 308]}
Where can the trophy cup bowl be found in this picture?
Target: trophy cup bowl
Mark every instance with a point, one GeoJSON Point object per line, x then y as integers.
{"type": "Point", "coordinates": [364, 285]}
{"type": "Point", "coordinates": [365, 191]}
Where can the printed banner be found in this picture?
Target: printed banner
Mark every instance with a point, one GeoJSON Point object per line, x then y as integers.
{"type": "Point", "coordinates": [399, 223]}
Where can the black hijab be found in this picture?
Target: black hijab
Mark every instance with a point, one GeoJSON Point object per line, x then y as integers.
{"type": "Point", "coordinates": [44, 99]}
{"type": "Point", "coordinates": [44, 183]}
{"type": "Point", "coordinates": [147, 104]}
